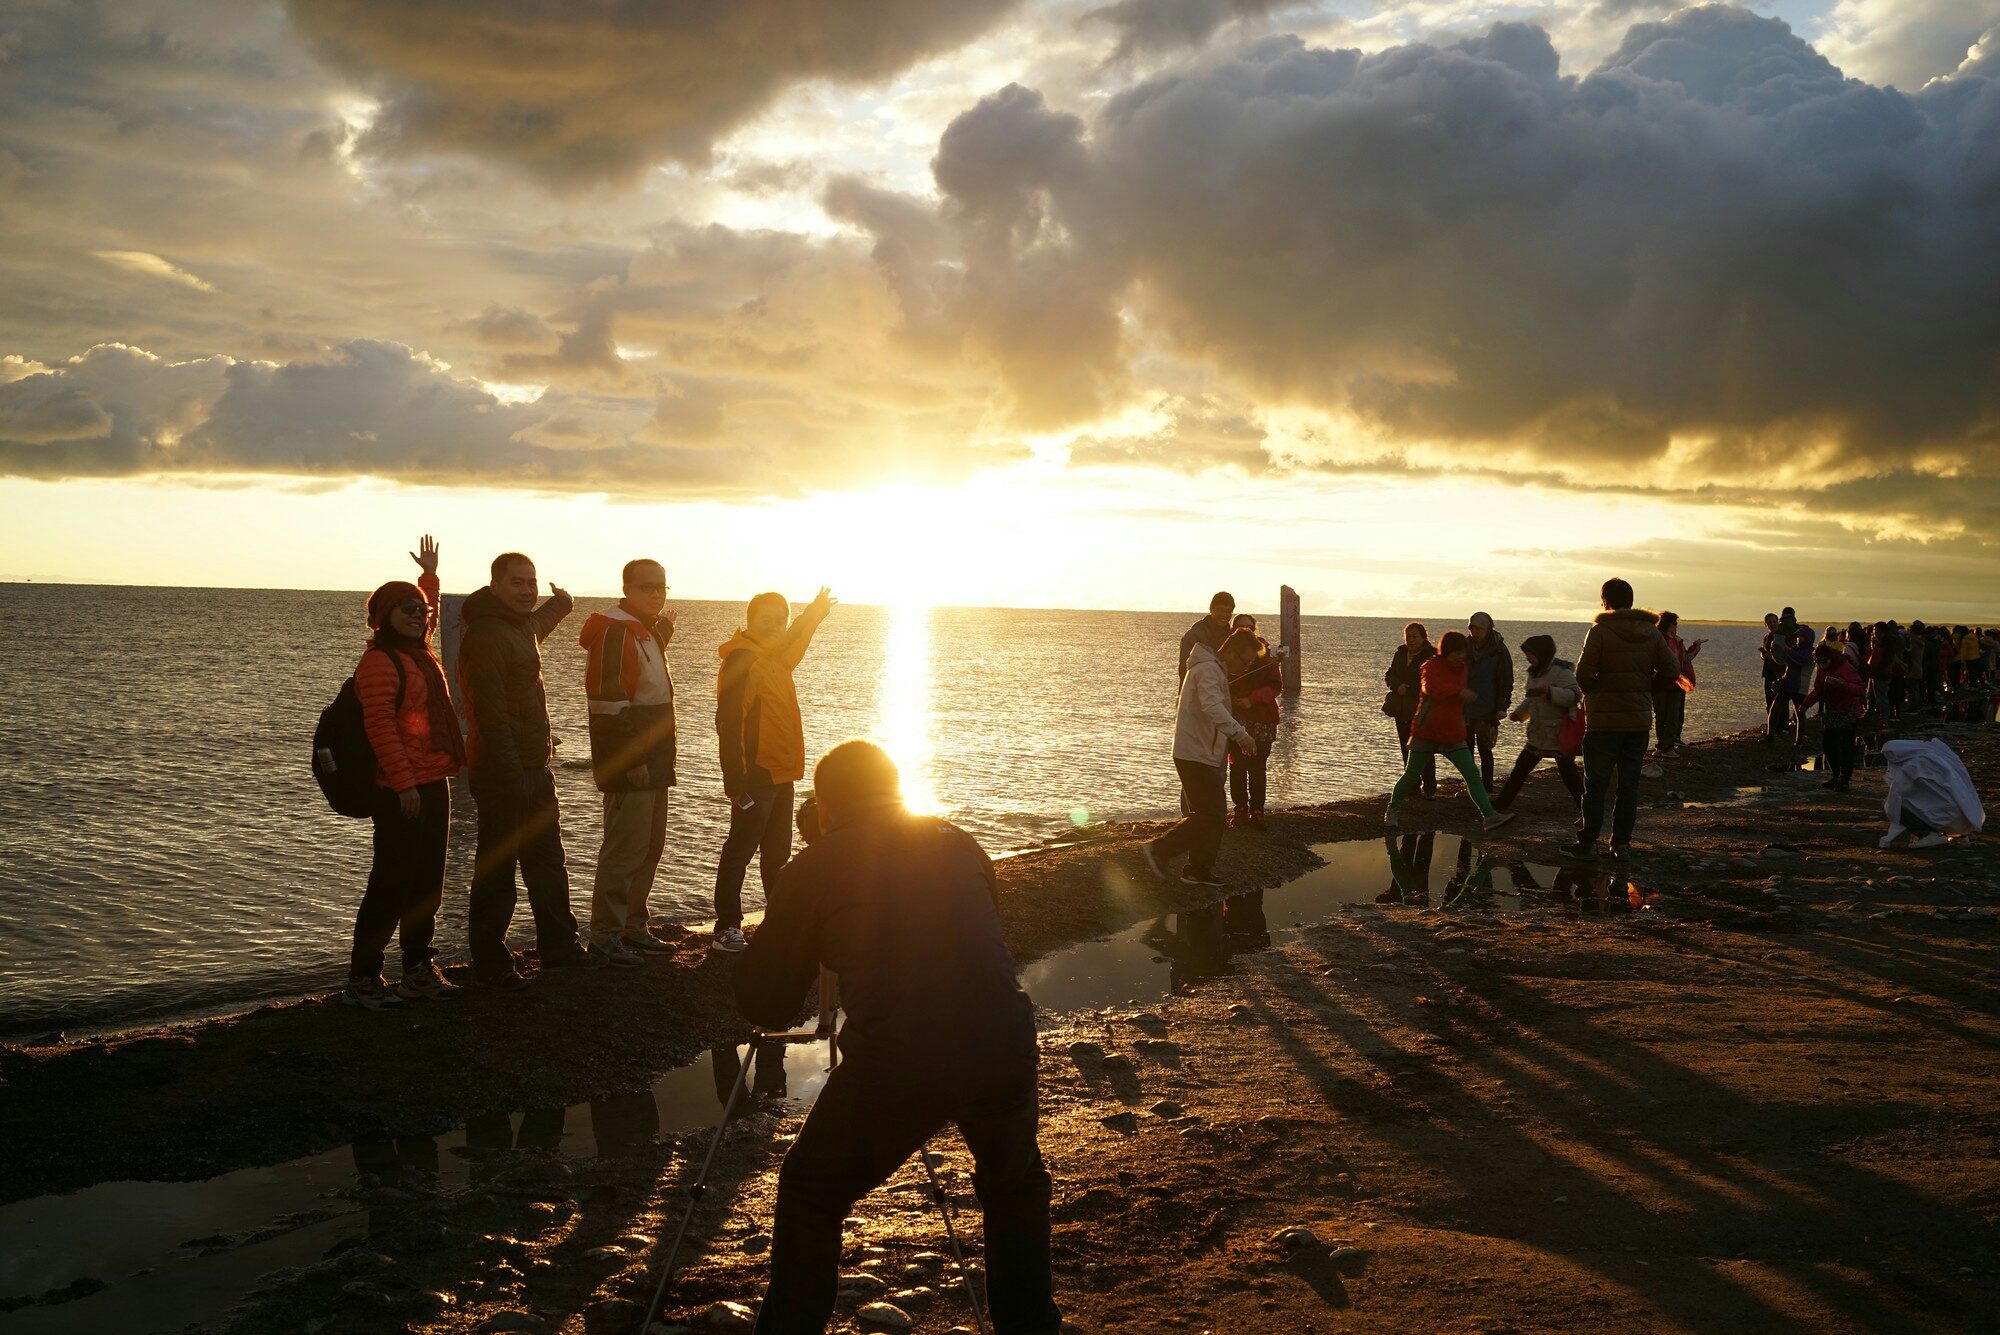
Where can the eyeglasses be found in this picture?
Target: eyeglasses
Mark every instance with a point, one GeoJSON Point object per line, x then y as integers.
{"type": "Point", "coordinates": [414, 606]}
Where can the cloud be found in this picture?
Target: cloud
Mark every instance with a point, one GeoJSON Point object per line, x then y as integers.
{"type": "Point", "coordinates": [152, 266]}
{"type": "Point", "coordinates": [1905, 43]}
{"type": "Point", "coordinates": [1158, 25]}
{"type": "Point", "coordinates": [582, 93]}
{"type": "Point", "coordinates": [1712, 257]}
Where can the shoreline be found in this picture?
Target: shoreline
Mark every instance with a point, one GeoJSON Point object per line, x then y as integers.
{"type": "Point", "coordinates": [1797, 1017]}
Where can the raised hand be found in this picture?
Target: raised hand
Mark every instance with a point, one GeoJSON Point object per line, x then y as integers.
{"type": "Point", "coordinates": [426, 555]}
{"type": "Point", "coordinates": [558, 591]}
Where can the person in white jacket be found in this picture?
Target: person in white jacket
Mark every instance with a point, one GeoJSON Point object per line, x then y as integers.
{"type": "Point", "coordinates": [1203, 729]}
{"type": "Point", "coordinates": [1552, 694]}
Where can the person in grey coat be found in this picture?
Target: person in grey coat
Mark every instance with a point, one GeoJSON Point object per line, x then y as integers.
{"type": "Point", "coordinates": [1489, 675]}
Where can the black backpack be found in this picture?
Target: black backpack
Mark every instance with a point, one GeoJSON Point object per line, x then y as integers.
{"type": "Point", "coordinates": [343, 757]}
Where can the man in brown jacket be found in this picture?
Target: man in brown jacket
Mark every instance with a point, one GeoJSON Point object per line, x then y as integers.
{"type": "Point", "coordinates": [1624, 657]}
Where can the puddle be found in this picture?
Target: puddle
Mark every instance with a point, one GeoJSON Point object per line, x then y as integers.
{"type": "Point", "coordinates": [174, 1253]}
{"type": "Point", "coordinates": [1420, 869]}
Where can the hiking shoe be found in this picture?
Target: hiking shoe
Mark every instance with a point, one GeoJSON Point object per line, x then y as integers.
{"type": "Point", "coordinates": [646, 944]}
{"type": "Point", "coordinates": [1208, 880]}
{"type": "Point", "coordinates": [425, 981]}
{"type": "Point", "coordinates": [1391, 820]}
{"type": "Point", "coordinates": [1577, 848]}
{"type": "Point", "coordinates": [371, 994]}
{"type": "Point", "coordinates": [615, 952]}
{"type": "Point", "coordinates": [1256, 819]}
{"type": "Point", "coordinates": [1931, 840]}
{"type": "Point", "coordinates": [1152, 862]}
{"type": "Point", "coordinates": [573, 957]}
{"type": "Point", "coordinates": [1240, 817]}
{"type": "Point", "coordinates": [729, 940]}
{"type": "Point", "coordinates": [1622, 852]}
{"type": "Point", "coordinates": [508, 980]}
{"type": "Point", "coordinates": [1497, 819]}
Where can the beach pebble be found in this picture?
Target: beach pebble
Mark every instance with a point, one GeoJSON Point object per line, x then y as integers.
{"type": "Point", "coordinates": [916, 1299]}
{"type": "Point", "coordinates": [1339, 1254]}
{"type": "Point", "coordinates": [1456, 950]}
{"type": "Point", "coordinates": [501, 1321]}
{"type": "Point", "coordinates": [1168, 1109]}
{"type": "Point", "coordinates": [729, 1316]}
{"type": "Point", "coordinates": [1117, 1061]}
{"type": "Point", "coordinates": [934, 1159]}
{"type": "Point", "coordinates": [611, 1253]}
{"type": "Point", "coordinates": [756, 1243]}
{"type": "Point", "coordinates": [361, 1291]}
{"type": "Point", "coordinates": [614, 1313]}
{"type": "Point", "coordinates": [914, 1273]}
{"type": "Point", "coordinates": [859, 1286]}
{"type": "Point", "coordinates": [1652, 771]}
{"type": "Point", "coordinates": [886, 1316]}
{"type": "Point", "coordinates": [929, 1260]}
{"type": "Point", "coordinates": [1271, 1122]}
{"type": "Point", "coordinates": [1123, 1123]}
{"type": "Point", "coordinates": [1298, 1235]}
{"type": "Point", "coordinates": [1085, 1050]}
{"type": "Point", "coordinates": [634, 1241]}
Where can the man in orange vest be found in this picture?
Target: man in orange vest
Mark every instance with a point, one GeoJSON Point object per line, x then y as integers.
{"type": "Point", "coordinates": [762, 746]}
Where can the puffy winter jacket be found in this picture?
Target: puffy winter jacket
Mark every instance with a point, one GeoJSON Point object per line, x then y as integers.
{"type": "Point", "coordinates": [631, 696]}
{"type": "Point", "coordinates": [762, 739]}
{"type": "Point", "coordinates": [1441, 717]}
{"type": "Point", "coordinates": [1839, 688]}
{"type": "Point", "coordinates": [500, 671]}
{"type": "Point", "coordinates": [406, 754]}
{"type": "Point", "coordinates": [904, 909]}
{"type": "Point", "coordinates": [1489, 675]}
{"type": "Point", "coordinates": [1544, 714]}
{"type": "Point", "coordinates": [1624, 659]}
{"type": "Point", "coordinates": [1203, 724]}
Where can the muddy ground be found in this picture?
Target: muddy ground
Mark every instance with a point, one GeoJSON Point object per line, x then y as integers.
{"type": "Point", "coordinates": [1729, 1087]}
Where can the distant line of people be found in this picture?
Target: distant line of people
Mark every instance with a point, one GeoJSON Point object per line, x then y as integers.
{"type": "Point", "coordinates": [1927, 668]}
{"type": "Point", "coordinates": [505, 751]}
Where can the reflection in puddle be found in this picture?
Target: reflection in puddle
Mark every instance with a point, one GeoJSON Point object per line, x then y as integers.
{"type": "Point", "coordinates": [1415, 868]}
{"type": "Point", "coordinates": [175, 1253]}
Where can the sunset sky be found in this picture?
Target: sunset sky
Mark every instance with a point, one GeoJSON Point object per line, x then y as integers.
{"type": "Point", "coordinates": [1413, 306]}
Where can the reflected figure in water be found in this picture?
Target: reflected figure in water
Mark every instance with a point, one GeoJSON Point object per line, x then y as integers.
{"type": "Point", "coordinates": [404, 1161]}
{"type": "Point", "coordinates": [624, 1125]}
{"type": "Point", "coordinates": [1409, 868]}
{"type": "Point", "coordinates": [1194, 947]}
{"type": "Point", "coordinates": [1243, 923]}
{"type": "Point", "coordinates": [767, 1072]}
{"type": "Point", "coordinates": [1469, 879]}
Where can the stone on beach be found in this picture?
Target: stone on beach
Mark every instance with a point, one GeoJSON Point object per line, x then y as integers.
{"type": "Point", "coordinates": [859, 1285]}
{"type": "Point", "coordinates": [1168, 1109]}
{"type": "Point", "coordinates": [502, 1321]}
{"type": "Point", "coordinates": [887, 1316]}
{"type": "Point", "coordinates": [729, 1316]}
{"type": "Point", "coordinates": [1297, 1235]}
{"type": "Point", "coordinates": [1123, 1123]}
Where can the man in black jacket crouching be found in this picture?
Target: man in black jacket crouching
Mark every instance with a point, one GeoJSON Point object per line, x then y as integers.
{"type": "Point", "coordinates": [903, 908]}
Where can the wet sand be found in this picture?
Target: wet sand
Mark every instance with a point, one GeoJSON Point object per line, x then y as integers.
{"type": "Point", "coordinates": [1762, 1096]}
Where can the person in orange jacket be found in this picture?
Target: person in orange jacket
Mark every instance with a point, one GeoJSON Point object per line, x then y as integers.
{"type": "Point", "coordinates": [633, 750]}
{"type": "Point", "coordinates": [762, 747]}
{"type": "Point", "coordinates": [414, 731]}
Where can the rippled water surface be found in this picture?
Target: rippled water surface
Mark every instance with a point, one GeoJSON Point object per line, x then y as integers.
{"type": "Point", "coordinates": [164, 850]}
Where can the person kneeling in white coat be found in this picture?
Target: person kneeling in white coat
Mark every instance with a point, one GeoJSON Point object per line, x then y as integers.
{"type": "Point", "coordinates": [1204, 727]}
{"type": "Point", "coordinates": [1931, 797]}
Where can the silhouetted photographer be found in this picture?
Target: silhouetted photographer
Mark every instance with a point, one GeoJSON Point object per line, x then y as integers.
{"type": "Point", "coordinates": [904, 909]}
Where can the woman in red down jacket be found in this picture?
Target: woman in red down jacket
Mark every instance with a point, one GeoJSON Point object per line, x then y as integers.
{"type": "Point", "coordinates": [418, 748]}
{"type": "Point", "coordinates": [1439, 730]}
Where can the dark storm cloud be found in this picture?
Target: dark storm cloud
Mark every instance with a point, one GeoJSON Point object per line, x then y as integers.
{"type": "Point", "coordinates": [1713, 236]}
{"type": "Point", "coordinates": [1159, 25]}
{"type": "Point", "coordinates": [578, 91]}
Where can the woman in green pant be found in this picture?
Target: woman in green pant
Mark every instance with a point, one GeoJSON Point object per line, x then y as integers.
{"type": "Point", "coordinates": [1440, 730]}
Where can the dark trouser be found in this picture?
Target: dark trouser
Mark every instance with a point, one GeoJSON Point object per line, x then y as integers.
{"type": "Point", "coordinates": [1530, 757]}
{"type": "Point", "coordinates": [1772, 685]}
{"type": "Point", "coordinates": [857, 1134]}
{"type": "Point", "coordinates": [1670, 711]}
{"type": "Point", "coordinates": [1604, 753]}
{"type": "Point", "coordinates": [1247, 778]}
{"type": "Point", "coordinates": [518, 825]}
{"type": "Point", "coordinates": [1915, 824]}
{"type": "Point", "coordinates": [1933, 688]}
{"type": "Point", "coordinates": [1784, 717]}
{"type": "Point", "coordinates": [406, 882]}
{"type": "Point", "coordinates": [1405, 723]}
{"type": "Point", "coordinates": [1199, 833]}
{"type": "Point", "coordinates": [1481, 735]}
{"type": "Point", "coordinates": [762, 830]}
{"type": "Point", "coordinates": [1839, 741]}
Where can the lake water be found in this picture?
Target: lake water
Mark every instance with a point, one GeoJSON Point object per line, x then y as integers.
{"type": "Point", "coordinates": [165, 852]}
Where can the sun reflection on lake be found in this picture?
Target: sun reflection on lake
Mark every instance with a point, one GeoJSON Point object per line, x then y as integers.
{"type": "Point", "coordinates": [905, 726]}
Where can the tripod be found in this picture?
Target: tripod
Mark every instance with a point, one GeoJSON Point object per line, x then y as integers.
{"type": "Point", "coordinates": [825, 1029]}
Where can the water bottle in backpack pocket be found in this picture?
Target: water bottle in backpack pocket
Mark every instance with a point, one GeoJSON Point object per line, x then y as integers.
{"type": "Point", "coordinates": [343, 757]}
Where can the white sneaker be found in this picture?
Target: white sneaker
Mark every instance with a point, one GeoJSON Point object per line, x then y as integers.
{"type": "Point", "coordinates": [616, 952]}
{"type": "Point", "coordinates": [1895, 833]}
{"type": "Point", "coordinates": [1931, 840]}
{"type": "Point", "coordinates": [1498, 818]}
{"type": "Point", "coordinates": [1392, 820]}
{"type": "Point", "coordinates": [729, 940]}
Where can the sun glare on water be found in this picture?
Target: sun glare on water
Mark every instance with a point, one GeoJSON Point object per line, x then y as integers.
{"type": "Point", "coordinates": [905, 725]}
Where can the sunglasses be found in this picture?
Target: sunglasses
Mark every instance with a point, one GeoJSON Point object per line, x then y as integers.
{"type": "Point", "coordinates": [414, 606]}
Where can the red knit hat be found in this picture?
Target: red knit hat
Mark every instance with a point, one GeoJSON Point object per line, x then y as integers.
{"type": "Point", "coordinates": [384, 600]}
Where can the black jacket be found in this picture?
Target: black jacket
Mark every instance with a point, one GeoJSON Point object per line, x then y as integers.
{"type": "Point", "coordinates": [1489, 674]}
{"type": "Point", "coordinates": [500, 671]}
{"type": "Point", "coordinates": [904, 909]}
{"type": "Point", "coordinates": [1407, 669]}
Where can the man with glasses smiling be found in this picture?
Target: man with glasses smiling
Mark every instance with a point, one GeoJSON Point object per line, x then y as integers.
{"type": "Point", "coordinates": [632, 754]}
